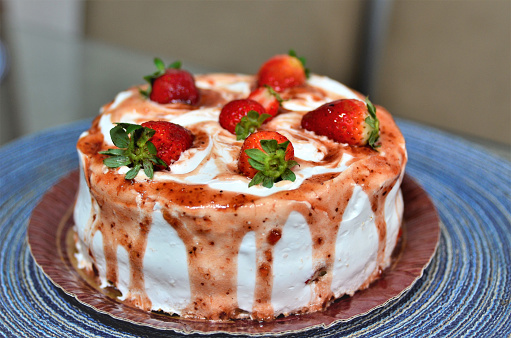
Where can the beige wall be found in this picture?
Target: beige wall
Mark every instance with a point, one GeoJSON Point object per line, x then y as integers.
{"type": "Point", "coordinates": [234, 36]}
{"type": "Point", "coordinates": [447, 63]}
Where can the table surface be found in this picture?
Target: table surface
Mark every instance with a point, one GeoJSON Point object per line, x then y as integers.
{"type": "Point", "coordinates": [464, 292]}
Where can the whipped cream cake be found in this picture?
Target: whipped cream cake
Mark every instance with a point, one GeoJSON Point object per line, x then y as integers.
{"type": "Point", "coordinates": [195, 240]}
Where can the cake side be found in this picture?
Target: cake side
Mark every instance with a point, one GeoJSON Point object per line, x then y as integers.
{"type": "Point", "coordinates": [196, 241]}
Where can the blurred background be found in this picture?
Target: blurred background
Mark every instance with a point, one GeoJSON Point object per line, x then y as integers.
{"type": "Point", "coordinates": [445, 64]}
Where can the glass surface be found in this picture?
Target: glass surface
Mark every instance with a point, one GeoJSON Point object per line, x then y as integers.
{"type": "Point", "coordinates": [53, 78]}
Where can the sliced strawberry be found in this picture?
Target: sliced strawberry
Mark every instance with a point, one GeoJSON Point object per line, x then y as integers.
{"type": "Point", "coordinates": [282, 72]}
{"type": "Point", "coordinates": [171, 85]}
{"type": "Point", "coordinates": [345, 121]}
{"type": "Point", "coordinates": [152, 144]}
{"type": "Point", "coordinates": [266, 157]}
{"type": "Point", "coordinates": [242, 117]}
{"type": "Point", "coordinates": [268, 98]}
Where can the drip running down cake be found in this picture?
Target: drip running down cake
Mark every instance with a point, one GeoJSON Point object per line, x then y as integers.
{"type": "Point", "coordinates": [229, 196]}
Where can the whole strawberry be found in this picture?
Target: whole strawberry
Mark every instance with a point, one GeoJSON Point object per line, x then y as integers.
{"type": "Point", "coordinates": [282, 72]}
{"type": "Point", "coordinates": [170, 140]}
{"type": "Point", "coordinates": [171, 84]}
{"type": "Point", "coordinates": [266, 157]}
{"type": "Point", "coordinates": [152, 144]}
{"type": "Point", "coordinates": [268, 98]}
{"type": "Point", "coordinates": [242, 117]}
{"type": "Point", "coordinates": [345, 121]}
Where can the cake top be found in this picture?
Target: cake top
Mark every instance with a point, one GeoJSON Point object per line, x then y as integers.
{"type": "Point", "coordinates": [327, 126]}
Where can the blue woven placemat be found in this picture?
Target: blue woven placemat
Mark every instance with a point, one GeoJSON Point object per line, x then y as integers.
{"type": "Point", "coordinates": [464, 292]}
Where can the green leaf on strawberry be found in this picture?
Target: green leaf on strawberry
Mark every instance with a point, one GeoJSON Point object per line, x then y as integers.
{"type": "Point", "coordinates": [373, 122]}
{"type": "Point", "coordinates": [270, 163]}
{"type": "Point", "coordinates": [274, 94]}
{"type": "Point", "coordinates": [302, 60]}
{"type": "Point", "coordinates": [133, 149]}
{"type": "Point", "coordinates": [249, 123]}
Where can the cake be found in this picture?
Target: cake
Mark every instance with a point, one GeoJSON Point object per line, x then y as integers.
{"type": "Point", "coordinates": [195, 240]}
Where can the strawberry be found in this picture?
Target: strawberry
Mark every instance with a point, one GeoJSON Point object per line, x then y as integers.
{"type": "Point", "coordinates": [345, 121]}
{"type": "Point", "coordinates": [170, 139]}
{"type": "Point", "coordinates": [268, 98]}
{"type": "Point", "coordinates": [266, 157]}
{"type": "Point", "coordinates": [154, 143]}
{"type": "Point", "coordinates": [242, 117]}
{"type": "Point", "coordinates": [282, 72]}
{"type": "Point", "coordinates": [171, 85]}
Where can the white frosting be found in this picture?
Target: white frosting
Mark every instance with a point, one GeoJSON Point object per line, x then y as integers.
{"type": "Point", "coordinates": [240, 87]}
{"type": "Point", "coordinates": [123, 270]}
{"type": "Point", "coordinates": [357, 245]}
{"type": "Point", "coordinates": [83, 205]}
{"type": "Point", "coordinates": [165, 267]}
{"type": "Point", "coordinates": [247, 272]}
{"type": "Point", "coordinates": [292, 266]}
{"type": "Point", "coordinates": [394, 207]}
{"type": "Point", "coordinates": [96, 247]}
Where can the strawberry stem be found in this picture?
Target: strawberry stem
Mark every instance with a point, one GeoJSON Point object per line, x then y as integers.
{"type": "Point", "coordinates": [302, 60]}
{"type": "Point", "coordinates": [249, 123]}
{"type": "Point", "coordinates": [270, 163]}
{"type": "Point", "coordinates": [373, 122]}
{"type": "Point", "coordinates": [274, 94]}
{"type": "Point", "coordinates": [134, 150]}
